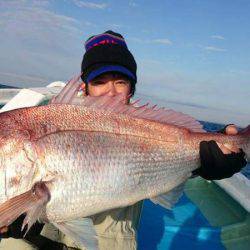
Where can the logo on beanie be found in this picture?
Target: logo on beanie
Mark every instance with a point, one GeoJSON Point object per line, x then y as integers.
{"type": "Point", "coordinates": [103, 39]}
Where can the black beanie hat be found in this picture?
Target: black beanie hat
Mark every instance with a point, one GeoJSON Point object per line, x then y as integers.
{"type": "Point", "coordinates": [107, 52]}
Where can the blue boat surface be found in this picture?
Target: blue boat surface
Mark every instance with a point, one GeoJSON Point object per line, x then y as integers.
{"type": "Point", "coordinates": [205, 218]}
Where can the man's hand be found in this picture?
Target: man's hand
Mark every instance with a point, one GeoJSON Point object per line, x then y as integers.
{"type": "Point", "coordinates": [36, 239]}
{"type": "Point", "coordinates": [219, 161]}
{"type": "Point", "coordinates": [228, 148]}
{"type": "Point", "coordinates": [3, 230]}
{"type": "Point", "coordinates": [14, 230]}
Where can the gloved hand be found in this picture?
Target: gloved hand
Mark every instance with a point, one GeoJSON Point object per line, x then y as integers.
{"type": "Point", "coordinates": [215, 165]}
{"type": "Point", "coordinates": [44, 243]}
{"type": "Point", "coordinates": [14, 229]}
{"type": "Point", "coordinates": [33, 236]}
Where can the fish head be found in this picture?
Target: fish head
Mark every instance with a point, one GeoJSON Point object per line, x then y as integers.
{"type": "Point", "coordinates": [17, 168]}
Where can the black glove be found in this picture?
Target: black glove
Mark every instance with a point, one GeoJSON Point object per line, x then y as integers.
{"type": "Point", "coordinates": [44, 243]}
{"type": "Point", "coordinates": [14, 229]}
{"type": "Point", "coordinates": [215, 165]}
{"type": "Point", "coordinates": [33, 235]}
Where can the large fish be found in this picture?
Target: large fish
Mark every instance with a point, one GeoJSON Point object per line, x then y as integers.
{"type": "Point", "coordinates": [62, 162]}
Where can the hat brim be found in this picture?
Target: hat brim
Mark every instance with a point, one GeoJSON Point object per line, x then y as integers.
{"type": "Point", "coordinates": [109, 68]}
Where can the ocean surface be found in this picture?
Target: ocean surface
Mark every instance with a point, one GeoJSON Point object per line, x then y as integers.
{"type": "Point", "coordinates": [4, 86]}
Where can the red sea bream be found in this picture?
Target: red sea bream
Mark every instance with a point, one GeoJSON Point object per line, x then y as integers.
{"type": "Point", "coordinates": [63, 162]}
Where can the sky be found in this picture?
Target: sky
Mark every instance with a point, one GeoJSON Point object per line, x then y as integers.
{"type": "Point", "coordinates": [194, 55]}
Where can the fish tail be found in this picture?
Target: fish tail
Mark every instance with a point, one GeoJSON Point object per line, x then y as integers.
{"type": "Point", "coordinates": [246, 147]}
{"type": "Point", "coordinates": [31, 202]}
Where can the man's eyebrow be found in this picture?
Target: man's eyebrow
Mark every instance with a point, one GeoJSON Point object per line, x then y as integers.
{"type": "Point", "coordinates": [122, 79]}
{"type": "Point", "coordinates": [98, 79]}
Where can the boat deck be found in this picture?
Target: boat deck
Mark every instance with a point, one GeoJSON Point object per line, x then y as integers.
{"type": "Point", "coordinates": [206, 217]}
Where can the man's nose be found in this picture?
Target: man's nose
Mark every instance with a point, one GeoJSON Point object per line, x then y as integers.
{"type": "Point", "coordinates": [112, 90]}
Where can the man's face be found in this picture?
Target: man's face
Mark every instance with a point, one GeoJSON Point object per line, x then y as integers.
{"type": "Point", "coordinates": [109, 84]}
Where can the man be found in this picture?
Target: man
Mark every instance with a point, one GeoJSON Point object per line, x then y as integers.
{"type": "Point", "coordinates": [109, 68]}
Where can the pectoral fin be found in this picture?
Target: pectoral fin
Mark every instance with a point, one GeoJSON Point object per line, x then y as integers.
{"type": "Point", "coordinates": [81, 230]}
{"type": "Point", "coordinates": [32, 203]}
{"type": "Point", "coordinates": [169, 199]}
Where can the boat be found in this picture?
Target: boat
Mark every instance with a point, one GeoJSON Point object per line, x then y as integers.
{"type": "Point", "coordinates": [206, 217]}
{"type": "Point", "coordinates": [210, 214]}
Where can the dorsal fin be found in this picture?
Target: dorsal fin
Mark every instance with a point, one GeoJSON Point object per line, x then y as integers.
{"type": "Point", "coordinates": [68, 92]}
{"type": "Point", "coordinates": [117, 104]}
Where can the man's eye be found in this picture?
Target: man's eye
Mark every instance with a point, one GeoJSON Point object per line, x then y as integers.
{"type": "Point", "coordinates": [97, 83]}
{"type": "Point", "coordinates": [122, 82]}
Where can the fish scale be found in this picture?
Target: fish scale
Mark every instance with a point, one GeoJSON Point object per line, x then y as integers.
{"type": "Point", "coordinates": [122, 168]}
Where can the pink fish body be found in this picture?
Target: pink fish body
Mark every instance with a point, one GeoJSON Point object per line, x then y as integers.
{"type": "Point", "coordinates": [94, 158]}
